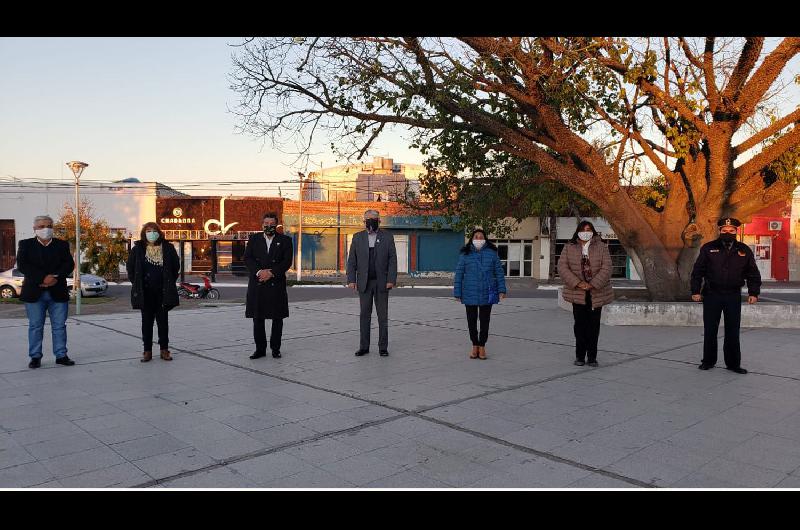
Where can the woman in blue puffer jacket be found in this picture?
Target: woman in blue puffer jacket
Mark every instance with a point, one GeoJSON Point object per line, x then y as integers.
{"type": "Point", "coordinates": [479, 283]}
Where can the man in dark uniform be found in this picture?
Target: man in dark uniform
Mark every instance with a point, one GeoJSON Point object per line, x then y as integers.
{"type": "Point", "coordinates": [721, 270]}
{"type": "Point", "coordinates": [268, 256]}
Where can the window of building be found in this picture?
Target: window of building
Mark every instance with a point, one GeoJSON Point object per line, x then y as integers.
{"type": "Point", "coordinates": [516, 255]}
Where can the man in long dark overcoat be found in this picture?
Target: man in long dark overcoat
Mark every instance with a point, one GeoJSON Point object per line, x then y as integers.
{"type": "Point", "coordinates": [268, 256]}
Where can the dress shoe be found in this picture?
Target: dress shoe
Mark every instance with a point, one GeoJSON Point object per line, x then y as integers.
{"type": "Point", "coordinates": [704, 366]}
{"type": "Point", "coordinates": [36, 362]}
{"type": "Point", "coordinates": [258, 355]}
{"type": "Point", "coordinates": [384, 353]}
{"type": "Point", "coordinates": [276, 354]}
{"type": "Point", "coordinates": [146, 357]}
{"type": "Point", "coordinates": [738, 370]}
{"type": "Point", "coordinates": [579, 363]}
{"type": "Point", "coordinates": [482, 352]}
{"type": "Point", "coordinates": [165, 355]}
{"type": "Point", "coordinates": [65, 361]}
{"type": "Point", "coordinates": [359, 353]}
{"type": "Point", "coordinates": [593, 364]}
{"type": "Point", "coordinates": [474, 354]}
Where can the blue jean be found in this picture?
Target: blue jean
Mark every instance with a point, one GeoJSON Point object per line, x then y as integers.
{"type": "Point", "coordinates": [58, 322]}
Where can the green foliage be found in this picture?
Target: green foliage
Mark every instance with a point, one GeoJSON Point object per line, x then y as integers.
{"type": "Point", "coordinates": [499, 192]}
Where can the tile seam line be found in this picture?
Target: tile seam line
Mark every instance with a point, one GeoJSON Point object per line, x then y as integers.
{"type": "Point", "coordinates": [263, 452]}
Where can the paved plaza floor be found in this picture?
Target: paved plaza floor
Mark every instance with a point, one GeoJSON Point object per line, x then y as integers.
{"type": "Point", "coordinates": [424, 417]}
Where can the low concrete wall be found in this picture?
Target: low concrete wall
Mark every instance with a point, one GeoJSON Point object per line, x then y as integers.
{"type": "Point", "coordinates": [760, 315]}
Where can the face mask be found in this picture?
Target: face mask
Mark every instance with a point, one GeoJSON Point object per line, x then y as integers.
{"type": "Point", "coordinates": [152, 236]}
{"type": "Point", "coordinates": [479, 243]}
{"type": "Point", "coordinates": [372, 224]}
{"type": "Point", "coordinates": [269, 230]}
{"type": "Point", "coordinates": [585, 236]}
{"type": "Point", "coordinates": [727, 238]}
{"type": "Point", "coordinates": [44, 233]}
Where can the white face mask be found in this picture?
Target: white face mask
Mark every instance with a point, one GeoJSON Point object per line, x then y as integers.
{"type": "Point", "coordinates": [479, 243]}
{"type": "Point", "coordinates": [44, 233]}
{"type": "Point", "coordinates": [585, 236]}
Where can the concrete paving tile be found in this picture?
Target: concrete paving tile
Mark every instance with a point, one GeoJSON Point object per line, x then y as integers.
{"type": "Point", "coordinates": [225, 448]}
{"type": "Point", "coordinates": [727, 473]}
{"type": "Point", "coordinates": [83, 462]}
{"type": "Point", "coordinates": [168, 464]}
{"type": "Point", "coordinates": [362, 469]}
{"type": "Point", "coordinates": [406, 479]}
{"type": "Point", "coordinates": [216, 478]}
{"type": "Point", "coordinates": [119, 476]}
{"type": "Point", "coordinates": [24, 475]}
{"type": "Point", "coordinates": [312, 478]}
{"type": "Point", "coordinates": [125, 433]}
{"type": "Point", "coordinates": [140, 448]}
{"type": "Point", "coordinates": [789, 482]}
{"type": "Point", "coordinates": [536, 438]}
{"type": "Point", "coordinates": [492, 425]}
{"type": "Point", "coordinates": [73, 443]}
{"type": "Point", "coordinates": [14, 456]}
{"type": "Point", "coordinates": [597, 481]}
{"type": "Point", "coordinates": [323, 451]}
{"type": "Point", "coordinates": [648, 470]}
{"type": "Point", "coordinates": [455, 470]}
{"type": "Point", "coordinates": [265, 469]}
{"type": "Point", "coordinates": [282, 434]}
{"type": "Point", "coordinates": [45, 433]}
{"type": "Point", "coordinates": [770, 452]}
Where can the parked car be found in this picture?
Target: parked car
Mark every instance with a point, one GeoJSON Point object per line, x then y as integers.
{"type": "Point", "coordinates": [11, 284]}
{"type": "Point", "coordinates": [91, 285]}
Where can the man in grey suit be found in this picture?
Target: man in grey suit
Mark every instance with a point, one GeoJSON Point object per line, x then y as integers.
{"type": "Point", "coordinates": [372, 269]}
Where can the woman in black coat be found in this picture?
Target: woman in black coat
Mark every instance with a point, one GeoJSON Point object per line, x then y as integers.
{"type": "Point", "coordinates": [153, 267]}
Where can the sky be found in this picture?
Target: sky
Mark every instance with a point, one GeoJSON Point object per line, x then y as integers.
{"type": "Point", "coordinates": [150, 108]}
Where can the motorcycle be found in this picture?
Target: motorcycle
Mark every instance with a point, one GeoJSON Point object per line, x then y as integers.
{"type": "Point", "coordinates": [192, 290]}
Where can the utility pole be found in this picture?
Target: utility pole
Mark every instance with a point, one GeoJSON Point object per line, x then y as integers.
{"type": "Point", "coordinates": [299, 263]}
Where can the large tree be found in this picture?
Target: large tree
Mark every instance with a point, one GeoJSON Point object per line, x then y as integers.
{"type": "Point", "coordinates": [695, 118]}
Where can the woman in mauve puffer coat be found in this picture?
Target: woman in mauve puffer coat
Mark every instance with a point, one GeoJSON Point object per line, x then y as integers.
{"type": "Point", "coordinates": [585, 267]}
{"type": "Point", "coordinates": [478, 273]}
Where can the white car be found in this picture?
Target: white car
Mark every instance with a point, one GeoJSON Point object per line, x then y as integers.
{"type": "Point", "coordinates": [11, 284]}
{"type": "Point", "coordinates": [91, 285]}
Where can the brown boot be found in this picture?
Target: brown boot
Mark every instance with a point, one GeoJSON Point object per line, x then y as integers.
{"type": "Point", "coordinates": [482, 352]}
{"type": "Point", "coordinates": [166, 355]}
{"type": "Point", "coordinates": [474, 354]}
{"type": "Point", "coordinates": [146, 357]}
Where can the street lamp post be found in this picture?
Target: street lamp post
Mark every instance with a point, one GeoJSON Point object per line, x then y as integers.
{"type": "Point", "coordinates": [299, 265]}
{"type": "Point", "coordinates": [77, 170]}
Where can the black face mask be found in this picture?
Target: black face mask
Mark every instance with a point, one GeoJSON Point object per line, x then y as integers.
{"type": "Point", "coordinates": [727, 238]}
{"type": "Point", "coordinates": [269, 230]}
{"type": "Point", "coordinates": [372, 224]}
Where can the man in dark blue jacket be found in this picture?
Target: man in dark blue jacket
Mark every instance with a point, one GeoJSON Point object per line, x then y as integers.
{"type": "Point", "coordinates": [719, 273]}
{"type": "Point", "coordinates": [46, 263]}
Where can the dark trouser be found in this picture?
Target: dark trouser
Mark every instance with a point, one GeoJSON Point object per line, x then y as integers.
{"type": "Point", "coordinates": [381, 299]}
{"type": "Point", "coordinates": [714, 305]}
{"type": "Point", "coordinates": [472, 323]}
{"type": "Point", "coordinates": [260, 334]}
{"type": "Point", "coordinates": [587, 329]}
{"type": "Point", "coordinates": [152, 310]}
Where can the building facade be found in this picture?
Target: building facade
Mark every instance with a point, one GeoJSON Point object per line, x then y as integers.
{"type": "Point", "coordinates": [124, 205]}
